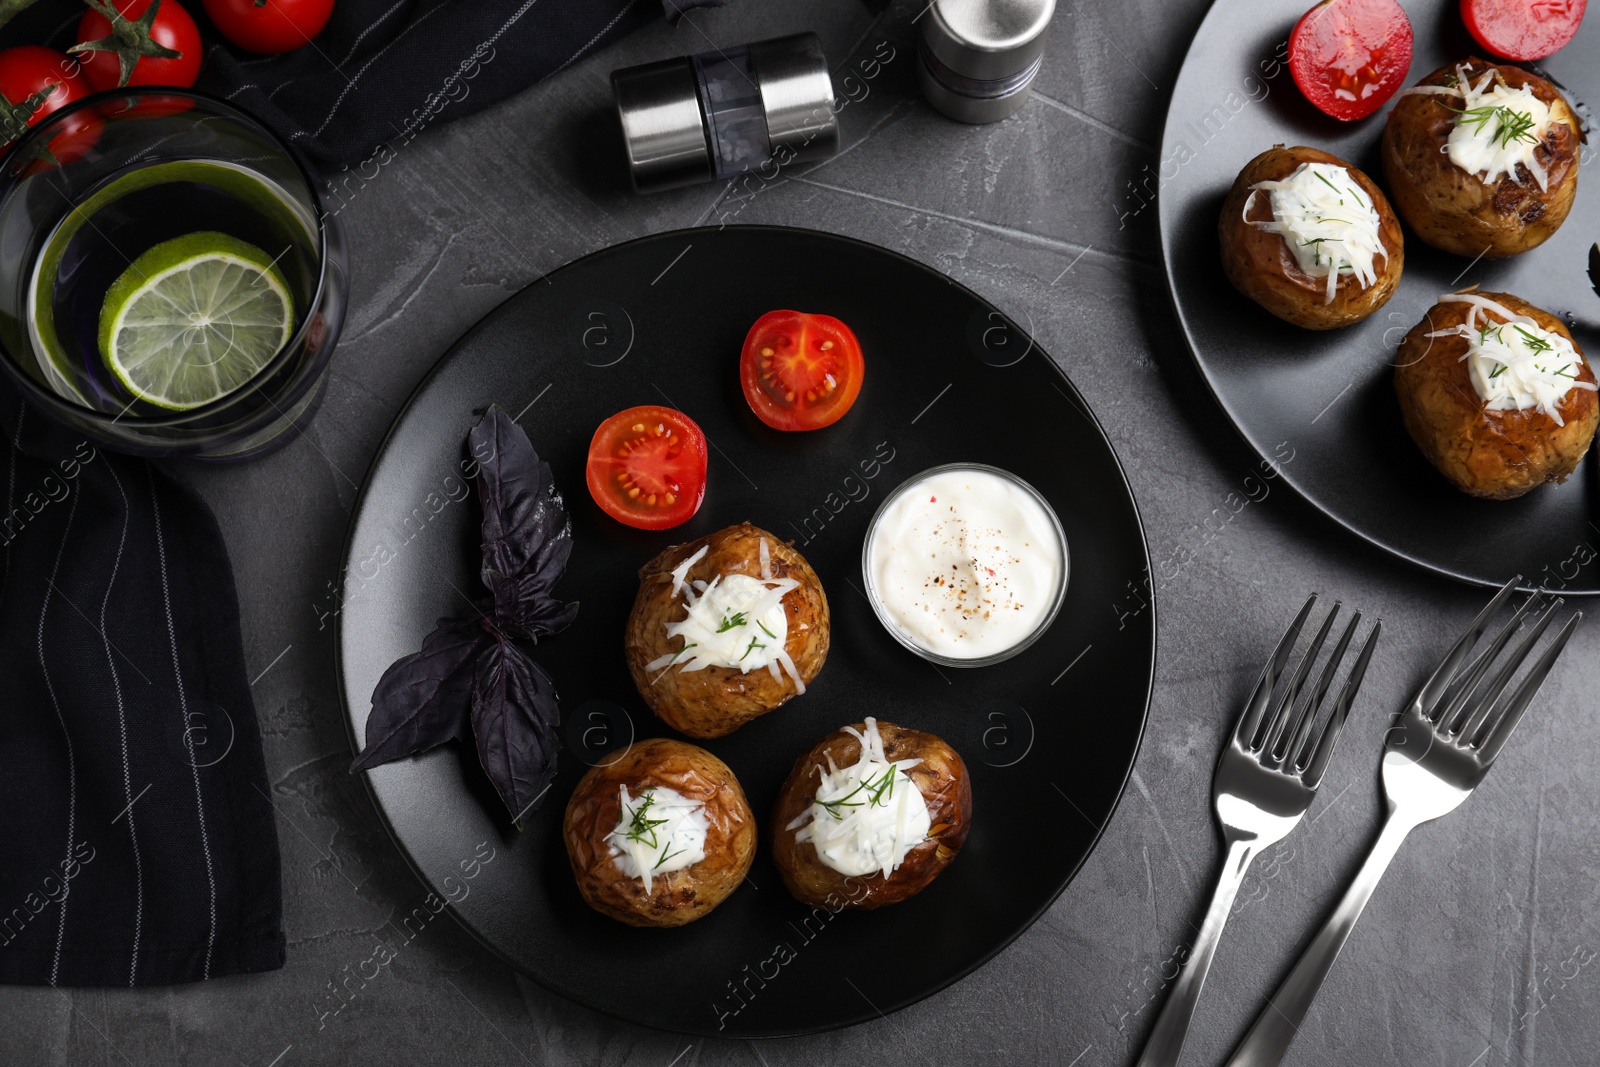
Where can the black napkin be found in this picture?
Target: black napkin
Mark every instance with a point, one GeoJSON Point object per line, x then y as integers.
{"type": "Point", "coordinates": [137, 840]}
{"type": "Point", "coordinates": [382, 71]}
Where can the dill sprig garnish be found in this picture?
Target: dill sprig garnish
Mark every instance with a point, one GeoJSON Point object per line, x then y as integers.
{"type": "Point", "coordinates": [642, 828]}
{"type": "Point", "coordinates": [738, 618]}
{"type": "Point", "coordinates": [879, 791]}
{"type": "Point", "coordinates": [1536, 344]}
{"type": "Point", "coordinates": [751, 647]}
{"type": "Point", "coordinates": [766, 631]}
{"type": "Point", "coordinates": [1510, 124]}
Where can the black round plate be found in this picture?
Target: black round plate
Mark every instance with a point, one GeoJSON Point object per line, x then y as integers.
{"type": "Point", "coordinates": [1330, 395]}
{"type": "Point", "coordinates": [1050, 735]}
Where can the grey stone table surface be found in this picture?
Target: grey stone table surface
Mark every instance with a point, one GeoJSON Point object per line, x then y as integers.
{"type": "Point", "coordinates": [1479, 947]}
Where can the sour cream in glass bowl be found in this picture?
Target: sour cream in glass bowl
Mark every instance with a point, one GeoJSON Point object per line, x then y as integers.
{"type": "Point", "coordinates": [965, 564]}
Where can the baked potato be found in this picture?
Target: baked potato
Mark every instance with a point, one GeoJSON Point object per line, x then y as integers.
{"type": "Point", "coordinates": [852, 774]}
{"type": "Point", "coordinates": [659, 798]}
{"type": "Point", "coordinates": [1485, 452]}
{"type": "Point", "coordinates": [725, 629]}
{"type": "Point", "coordinates": [1457, 211]}
{"type": "Point", "coordinates": [1262, 265]}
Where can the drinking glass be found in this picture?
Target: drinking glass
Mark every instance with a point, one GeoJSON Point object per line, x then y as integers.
{"type": "Point", "coordinates": [98, 183]}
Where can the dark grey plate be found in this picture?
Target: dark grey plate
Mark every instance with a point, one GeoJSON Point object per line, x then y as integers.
{"type": "Point", "coordinates": [1050, 735]}
{"type": "Point", "coordinates": [1329, 396]}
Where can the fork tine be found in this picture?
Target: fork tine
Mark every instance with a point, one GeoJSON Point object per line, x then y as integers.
{"type": "Point", "coordinates": [1483, 706]}
{"type": "Point", "coordinates": [1278, 723]}
{"type": "Point", "coordinates": [1453, 710]}
{"type": "Point", "coordinates": [1312, 706]}
{"type": "Point", "coordinates": [1484, 725]}
{"type": "Point", "coordinates": [1439, 680]}
{"type": "Point", "coordinates": [1523, 695]}
{"type": "Point", "coordinates": [1256, 706]}
{"type": "Point", "coordinates": [1328, 739]}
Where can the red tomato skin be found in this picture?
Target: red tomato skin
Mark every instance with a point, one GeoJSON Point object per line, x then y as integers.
{"type": "Point", "coordinates": [1522, 30]}
{"type": "Point", "coordinates": [275, 27]}
{"type": "Point", "coordinates": [173, 28]}
{"type": "Point", "coordinates": [1350, 45]}
{"type": "Point", "coordinates": [799, 419]}
{"type": "Point", "coordinates": [600, 469]}
{"type": "Point", "coordinates": [26, 69]}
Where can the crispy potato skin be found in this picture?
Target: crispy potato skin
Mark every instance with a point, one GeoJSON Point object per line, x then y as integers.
{"type": "Point", "coordinates": [1455, 211]}
{"type": "Point", "coordinates": [1261, 266]}
{"type": "Point", "coordinates": [676, 897]}
{"type": "Point", "coordinates": [1497, 455]}
{"type": "Point", "coordinates": [715, 701]}
{"type": "Point", "coordinates": [942, 779]}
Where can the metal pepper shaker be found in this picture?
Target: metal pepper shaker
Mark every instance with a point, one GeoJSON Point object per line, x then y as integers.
{"type": "Point", "coordinates": [978, 58]}
{"type": "Point", "coordinates": [724, 113]}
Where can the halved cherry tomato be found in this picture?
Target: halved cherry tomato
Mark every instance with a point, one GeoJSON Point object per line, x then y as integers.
{"type": "Point", "coordinates": [647, 467]}
{"type": "Point", "coordinates": [1349, 56]}
{"type": "Point", "coordinates": [800, 371]}
{"type": "Point", "coordinates": [1522, 29]}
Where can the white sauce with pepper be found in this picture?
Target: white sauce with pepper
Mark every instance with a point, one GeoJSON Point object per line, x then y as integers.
{"type": "Point", "coordinates": [966, 563]}
{"type": "Point", "coordinates": [658, 831]}
{"type": "Point", "coordinates": [865, 817]}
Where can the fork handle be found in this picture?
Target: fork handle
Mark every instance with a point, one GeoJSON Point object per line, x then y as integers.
{"type": "Point", "coordinates": [1268, 1040]}
{"type": "Point", "coordinates": [1172, 1026]}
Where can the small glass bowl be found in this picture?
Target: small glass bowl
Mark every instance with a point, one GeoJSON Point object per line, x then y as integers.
{"type": "Point", "coordinates": [906, 639]}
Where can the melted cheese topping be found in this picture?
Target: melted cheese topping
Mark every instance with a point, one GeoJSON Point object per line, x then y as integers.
{"type": "Point", "coordinates": [734, 620]}
{"type": "Point", "coordinates": [1514, 364]}
{"type": "Point", "coordinates": [658, 831]}
{"type": "Point", "coordinates": [1328, 221]}
{"type": "Point", "coordinates": [868, 816]}
{"type": "Point", "coordinates": [1496, 127]}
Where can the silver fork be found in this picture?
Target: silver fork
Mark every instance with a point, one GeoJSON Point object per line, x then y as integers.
{"type": "Point", "coordinates": [1444, 744]}
{"type": "Point", "coordinates": [1265, 780]}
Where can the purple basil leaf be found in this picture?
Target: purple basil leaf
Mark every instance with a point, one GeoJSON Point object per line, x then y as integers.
{"type": "Point", "coordinates": [527, 534]}
{"type": "Point", "coordinates": [521, 610]}
{"type": "Point", "coordinates": [422, 699]}
{"type": "Point", "coordinates": [514, 716]}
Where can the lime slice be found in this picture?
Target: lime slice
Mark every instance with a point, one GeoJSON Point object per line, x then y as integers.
{"type": "Point", "coordinates": [193, 319]}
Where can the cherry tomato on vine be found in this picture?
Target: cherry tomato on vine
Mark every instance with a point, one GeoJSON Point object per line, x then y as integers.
{"type": "Point", "coordinates": [155, 42]}
{"type": "Point", "coordinates": [800, 371]}
{"type": "Point", "coordinates": [647, 467]}
{"type": "Point", "coordinates": [269, 26]}
{"type": "Point", "coordinates": [36, 81]}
